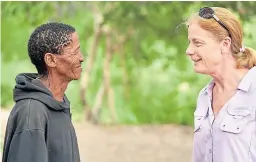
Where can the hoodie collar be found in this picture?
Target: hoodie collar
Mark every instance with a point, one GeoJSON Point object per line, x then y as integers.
{"type": "Point", "coordinates": [28, 87]}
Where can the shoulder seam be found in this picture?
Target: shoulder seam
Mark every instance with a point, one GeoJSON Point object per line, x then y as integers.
{"type": "Point", "coordinates": [29, 103]}
{"type": "Point", "coordinates": [16, 133]}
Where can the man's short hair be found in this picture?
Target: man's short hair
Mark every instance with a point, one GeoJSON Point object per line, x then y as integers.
{"type": "Point", "coordinates": [48, 38]}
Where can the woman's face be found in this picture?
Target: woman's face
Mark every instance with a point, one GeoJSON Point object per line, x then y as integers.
{"type": "Point", "coordinates": [203, 49]}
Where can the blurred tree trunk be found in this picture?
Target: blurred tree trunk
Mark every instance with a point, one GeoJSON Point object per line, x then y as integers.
{"type": "Point", "coordinates": [90, 60]}
{"type": "Point", "coordinates": [105, 89]}
{"type": "Point", "coordinates": [107, 75]}
{"type": "Point", "coordinates": [120, 49]}
{"type": "Point", "coordinates": [122, 41]}
{"type": "Point", "coordinates": [96, 110]}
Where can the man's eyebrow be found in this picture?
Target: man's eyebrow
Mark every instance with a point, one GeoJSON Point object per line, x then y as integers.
{"type": "Point", "coordinates": [78, 47]}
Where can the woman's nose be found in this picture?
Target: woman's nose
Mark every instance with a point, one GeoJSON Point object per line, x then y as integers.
{"type": "Point", "coordinates": [190, 51]}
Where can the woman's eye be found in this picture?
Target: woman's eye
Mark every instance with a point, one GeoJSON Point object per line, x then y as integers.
{"type": "Point", "coordinates": [198, 43]}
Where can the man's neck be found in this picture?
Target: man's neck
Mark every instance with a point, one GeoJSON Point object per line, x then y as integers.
{"type": "Point", "coordinates": [57, 86]}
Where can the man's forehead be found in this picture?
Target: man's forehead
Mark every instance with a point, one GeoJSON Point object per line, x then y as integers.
{"type": "Point", "coordinates": [74, 39]}
{"type": "Point", "coordinates": [74, 36]}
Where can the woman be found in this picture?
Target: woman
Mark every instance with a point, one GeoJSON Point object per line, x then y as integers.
{"type": "Point", "coordinates": [225, 122]}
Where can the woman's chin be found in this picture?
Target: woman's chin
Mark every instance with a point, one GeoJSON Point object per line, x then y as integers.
{"type": "Point", "coordinates": [201, 70]}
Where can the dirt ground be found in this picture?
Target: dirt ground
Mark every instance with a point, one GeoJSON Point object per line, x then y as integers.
{"type": "Point", "coordinates": [158, 143]}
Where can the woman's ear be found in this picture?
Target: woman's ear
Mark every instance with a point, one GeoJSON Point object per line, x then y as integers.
{"type": "Point", "coordinates": [50, 60]}
{"type": "Point", "coordinates": [226, 45]}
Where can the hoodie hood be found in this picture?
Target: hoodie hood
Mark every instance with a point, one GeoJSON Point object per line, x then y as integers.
{"type": "Point", "coordinates": [28, 87]}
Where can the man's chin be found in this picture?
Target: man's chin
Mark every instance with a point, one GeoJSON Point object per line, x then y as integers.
{"type": "Point", "coordinates": [76, 77]}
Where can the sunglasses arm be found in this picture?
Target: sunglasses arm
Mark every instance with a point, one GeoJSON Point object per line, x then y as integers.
{"type": "Point", "coordinates": [215, 17]}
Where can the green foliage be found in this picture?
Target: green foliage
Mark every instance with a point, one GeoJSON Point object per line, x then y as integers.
{"type": "Point", "coordinates": [8, 74]}
{"type": "Point", "coordinates": [162, 86]}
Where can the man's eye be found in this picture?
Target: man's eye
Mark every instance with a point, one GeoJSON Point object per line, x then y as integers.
{"type": "Point", "coordinates": [74, 53]}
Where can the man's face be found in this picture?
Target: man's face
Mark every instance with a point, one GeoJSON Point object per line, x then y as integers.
{"type": "Point", "coordinates": [68, 64]}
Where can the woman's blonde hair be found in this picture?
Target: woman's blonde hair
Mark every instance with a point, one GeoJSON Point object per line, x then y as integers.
{"type": "Point", "coordinates": [245, 56]}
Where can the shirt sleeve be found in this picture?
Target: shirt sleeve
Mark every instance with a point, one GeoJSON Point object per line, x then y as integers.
{"type": "Point", "coordinates": [27, 146]}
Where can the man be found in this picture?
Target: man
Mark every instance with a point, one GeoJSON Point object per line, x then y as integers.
{"type": "Point", "coordinates": [39, 127]}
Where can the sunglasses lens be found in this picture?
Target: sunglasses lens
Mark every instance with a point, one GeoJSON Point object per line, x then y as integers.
{"type": "Point", "coordinates": [206, 12]}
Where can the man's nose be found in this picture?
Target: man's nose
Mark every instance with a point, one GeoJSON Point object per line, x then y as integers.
{"type": "Point", "coordinates": [81, 57]}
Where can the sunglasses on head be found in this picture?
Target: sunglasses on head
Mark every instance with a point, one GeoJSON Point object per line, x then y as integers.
{"type": "Point", "coordinates": [208, 13]}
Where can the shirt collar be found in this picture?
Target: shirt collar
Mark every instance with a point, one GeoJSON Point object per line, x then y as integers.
{"type": "Point", "coordinates": [244, 85]}
{"type": "Point", "coordinates": [247, 80]}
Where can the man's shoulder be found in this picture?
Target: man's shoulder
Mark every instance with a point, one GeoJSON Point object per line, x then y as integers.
{"type": "Point", "coordinates": [28, 114]}
{"type": "Point", "coordinates": [29, 106]}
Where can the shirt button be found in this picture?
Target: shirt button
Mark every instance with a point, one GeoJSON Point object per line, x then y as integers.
{"type": "Point", "coordinates": [210, 151]}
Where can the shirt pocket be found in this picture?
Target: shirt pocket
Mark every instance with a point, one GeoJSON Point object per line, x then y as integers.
{"type": "Point", "coordinates": [199, 116]}
{"type": "Point", "coordinates": [236, 119]}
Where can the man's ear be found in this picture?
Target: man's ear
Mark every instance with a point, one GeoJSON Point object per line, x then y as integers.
{"type": "Point", "coordinates": [50, 60]}
{"type": "Point", "coordinates": [226, 45]}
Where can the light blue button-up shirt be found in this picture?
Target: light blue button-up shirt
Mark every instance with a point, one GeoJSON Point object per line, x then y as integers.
{"type": "Point", "coordinates": [231, 136]}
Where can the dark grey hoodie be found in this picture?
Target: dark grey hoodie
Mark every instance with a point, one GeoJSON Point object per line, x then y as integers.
{"type": "Point", "coordinates": [39, 128]}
